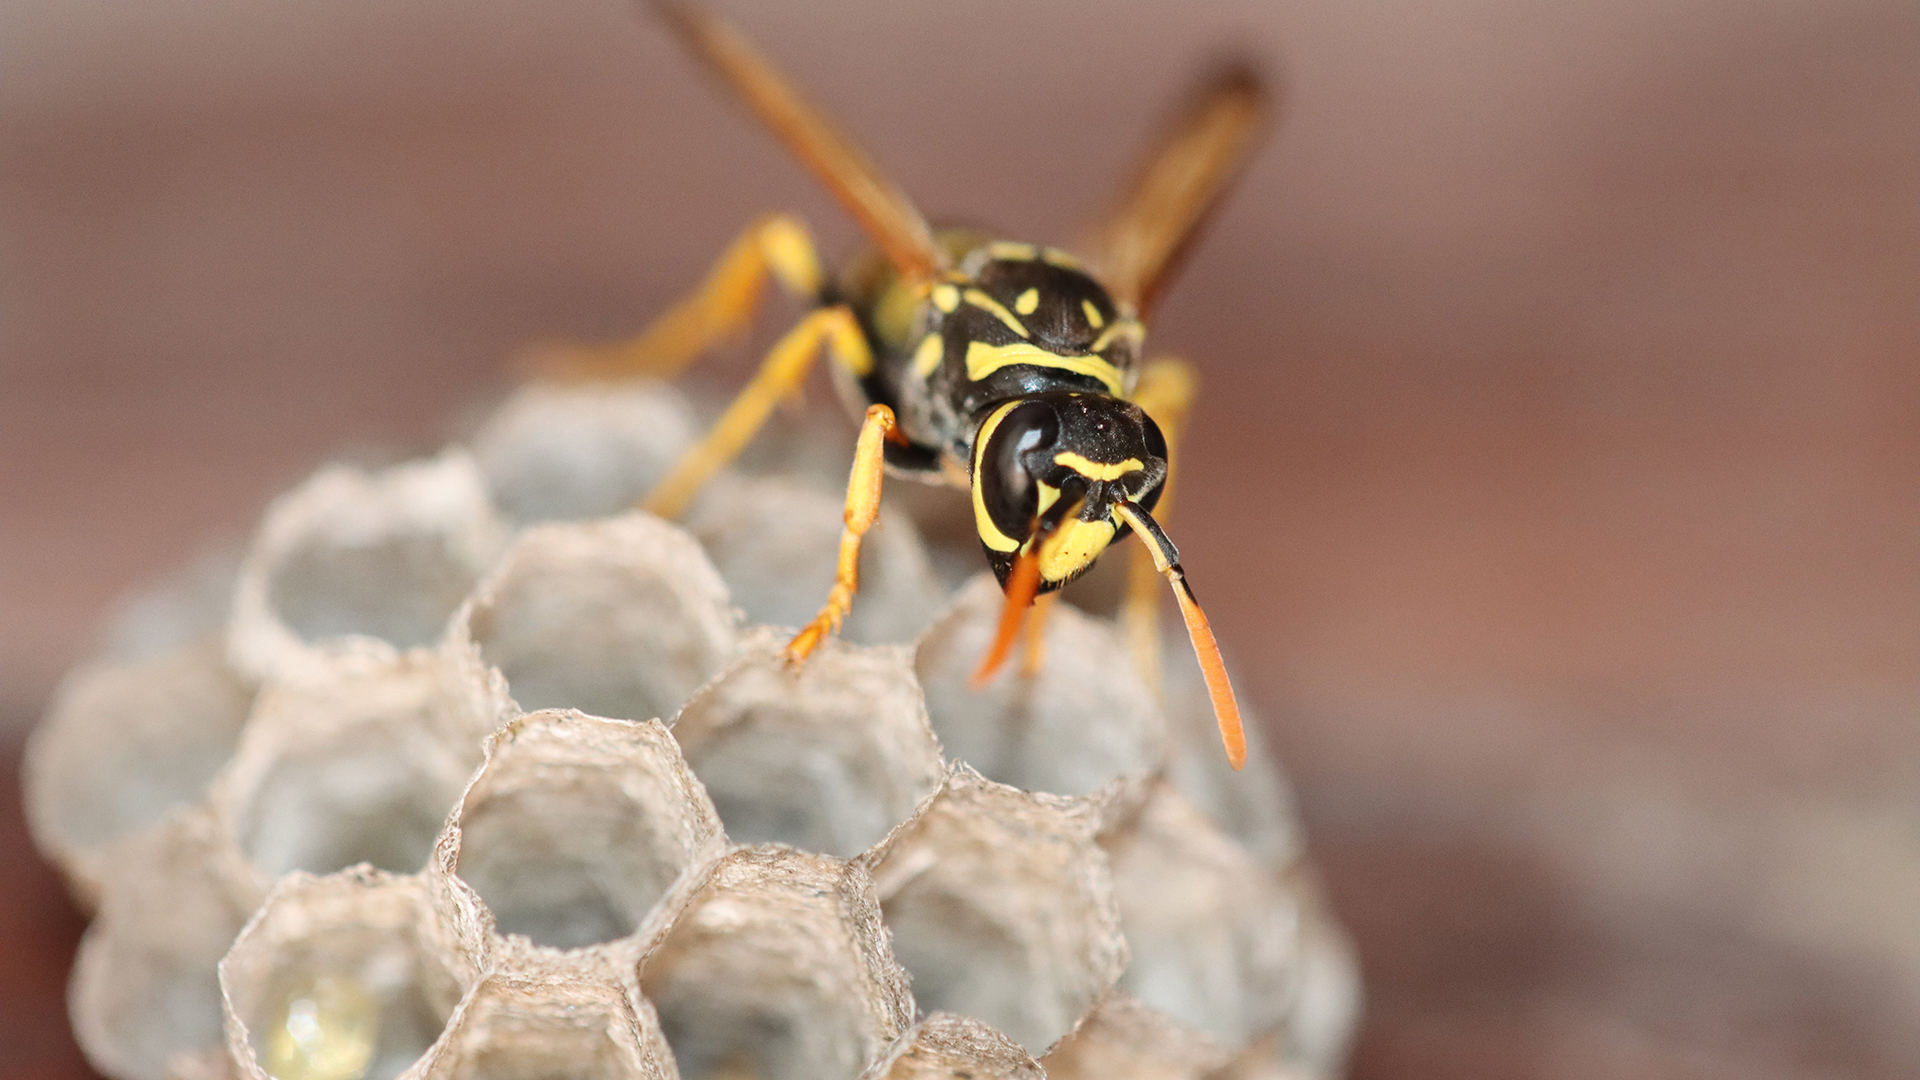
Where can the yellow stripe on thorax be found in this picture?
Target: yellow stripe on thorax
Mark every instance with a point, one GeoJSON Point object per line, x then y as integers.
{"type": "Point", "coordinates": [984, 359]}
{"type": "Point", "coordinates": [993, 307]}
{"type": "Point", "coordinates": [1124, 326]}
{"type": "Point", "coordinates": [926, 358]}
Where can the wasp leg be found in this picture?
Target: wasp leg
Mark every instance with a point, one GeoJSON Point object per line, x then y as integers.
{"type": "Point", "coordinates": [784, 369]}
{"type": "Point", "coordinates": [863, 506]}
{"type": "Point", "coordinates": [776, 245]}
{"type": "Point", "coordinates": [1034, 656]}
{"type": "Point", "coordinates": [1165, 392]}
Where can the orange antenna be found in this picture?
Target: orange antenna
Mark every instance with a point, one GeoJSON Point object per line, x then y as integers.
{"type": "Point", "coordinates": [1023, 584]}
{"type": "Point", "coordinates": [1166, 559]}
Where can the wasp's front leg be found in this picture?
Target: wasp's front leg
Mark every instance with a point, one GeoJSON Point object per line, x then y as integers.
{"type": "Point", "coordinates": [863, 507]}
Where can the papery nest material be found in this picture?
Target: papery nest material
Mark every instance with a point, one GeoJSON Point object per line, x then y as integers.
{"type": "Point", "coordinates": [687, 858]}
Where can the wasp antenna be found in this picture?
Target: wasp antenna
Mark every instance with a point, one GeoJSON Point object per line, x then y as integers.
{"type": "Point", "coordinates": [1166, 559]}
{"type": "Point", "coordinates": [1023, 584]}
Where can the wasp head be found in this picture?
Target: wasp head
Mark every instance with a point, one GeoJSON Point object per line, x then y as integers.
{"type": "Point", "coordinates": [1049, 469]}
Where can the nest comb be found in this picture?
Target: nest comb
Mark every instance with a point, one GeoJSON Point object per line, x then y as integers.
{"type": "Point", "coordinates": [468, 772]}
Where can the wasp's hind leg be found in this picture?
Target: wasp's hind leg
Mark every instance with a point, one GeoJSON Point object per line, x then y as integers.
{"type": "Point", "coordinates": [776, 246]}
{"type": "Point", "coordinates": [1165, 392]}
{"type": "Point", "coordinates": [863, 506]}
{"type": "Point", "coordinates": [780, 375]}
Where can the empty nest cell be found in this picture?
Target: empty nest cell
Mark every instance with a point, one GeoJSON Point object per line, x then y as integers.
{"type": "Point", "coordinates": [144, 989]}
{"type": "Point", "coordinates": [126, 742]}
{"type": "Point", "coordinates": [384, 555]}
{"type": "Point", "coordinates": [1123, 1037]}
{"type": "Point", "coordinates": [358, 767]}
{"type": "Point", "coordinates": [553, 1024]}
{"type": "Point", "coordinates": [776, 541]}
{"type": "Point", "coordinates": [1001, 908]}
{"type": "Point", "coordinates": [826, 757]}
{"type": "Point", "coordinates": [620, 618]}
{"type": "Point", "coordinates": [576, 826]}
{"type": "Point", "coordinates": [778, 969]}
{"type": "Point", "coordinates": [948, 1046]}
{"type": "Point", "coordinates": [1214, 939]}
{"type": "Point", "coordinates": [566, 453]}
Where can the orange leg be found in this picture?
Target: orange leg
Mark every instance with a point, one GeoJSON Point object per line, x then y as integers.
{"type": "Point", "coordinates": [863, 506]}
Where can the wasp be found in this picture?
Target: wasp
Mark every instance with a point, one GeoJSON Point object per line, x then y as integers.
{"type": "Point", "coordinates": [1013, 370]}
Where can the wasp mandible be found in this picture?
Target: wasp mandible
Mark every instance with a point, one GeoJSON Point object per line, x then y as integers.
{"type": "Point", "coordinates": [1011, 369]}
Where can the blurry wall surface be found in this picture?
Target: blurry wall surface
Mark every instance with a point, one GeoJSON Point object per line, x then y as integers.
{"type": "Point", "coordinates": [1556, 487]}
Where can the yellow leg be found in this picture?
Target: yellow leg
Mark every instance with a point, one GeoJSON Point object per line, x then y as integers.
{"type": "Point", "coordinates": [1165, 392]}
{"type": "Point", "coordinates": [863, 506]}
{"type": "Point", "coordinates": [722, 306]}
{"type": "Point", "coordinates": [780, 374]}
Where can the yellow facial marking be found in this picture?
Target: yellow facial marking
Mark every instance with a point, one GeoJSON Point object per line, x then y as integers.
{"type": "Point", "coordinates": [990, 533]}
{"type": "Point", "coordinates": [1060, 259]}
{"type": "Point", "coordinates": [1027, 302]}
{"type": "Point", "coordinates": [1072, 546]}
{"type": "Point", "coordinates": [926, 358]}
{"type": "Point", "coordinates": [1048, 496]}
{"type": "Point", "coordinates": [991, 306]}
{"type": "Point", "coordinates": [1094, 470]}
{"type": "Point", "coordinates": [984, 359]}
{"type": "Point", "coordinates": [946, 297]}
{"type": "Point", "coordinates": [1094, 318]}
{"type": "Point", "coordinates": [1012, 252]}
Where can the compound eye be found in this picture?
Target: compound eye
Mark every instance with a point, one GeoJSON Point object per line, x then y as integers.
{"type": "Point", "coordinates": [1008, 490]}
{"type": "Point", "coordinates": [1156, 442]}
{"type": "Point", "coordinates": [1157, 449]}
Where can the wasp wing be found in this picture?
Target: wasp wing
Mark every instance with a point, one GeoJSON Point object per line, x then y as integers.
{"type": "Point", "coordinates": [1178, 184]}
{"type": "Point", "coordinates": [886, 214]}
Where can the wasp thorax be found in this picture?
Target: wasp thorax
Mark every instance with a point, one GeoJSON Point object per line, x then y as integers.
{"type": "Point", "coordinates": [1049, 468]}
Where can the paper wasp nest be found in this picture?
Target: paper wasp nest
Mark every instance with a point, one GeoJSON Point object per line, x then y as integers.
{"type": "Point", "coordinates": [471, 772]}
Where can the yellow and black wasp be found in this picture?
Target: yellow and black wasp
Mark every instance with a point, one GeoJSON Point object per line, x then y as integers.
{"type": "Point", "coordinates": [1012, 369]}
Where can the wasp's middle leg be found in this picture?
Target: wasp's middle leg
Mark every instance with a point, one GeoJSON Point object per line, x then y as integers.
{"type": "Point", "coordinates": [776, 246]}
{"type": "Point", "coordinates": [784, 369]}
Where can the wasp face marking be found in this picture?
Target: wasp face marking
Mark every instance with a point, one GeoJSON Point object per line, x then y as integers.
{"type": "Point", "coordinates": [1048, 469]}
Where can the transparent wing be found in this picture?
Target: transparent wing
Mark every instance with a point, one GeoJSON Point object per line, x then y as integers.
{"type": "Point", "coordinates": [1180, 181]}
{"type": "Point", "coordinates": [881, 208]}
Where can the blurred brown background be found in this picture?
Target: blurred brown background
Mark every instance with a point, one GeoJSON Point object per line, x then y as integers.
{"type": "Point", "coordinates": [1557, 488]}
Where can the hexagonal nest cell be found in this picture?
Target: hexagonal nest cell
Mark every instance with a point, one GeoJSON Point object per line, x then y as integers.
{"type": "Point", "coordinates": [486, 775]}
